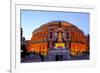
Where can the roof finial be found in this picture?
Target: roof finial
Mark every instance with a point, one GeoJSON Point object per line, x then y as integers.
{"type": "Point", "coordinates": [59, 23]}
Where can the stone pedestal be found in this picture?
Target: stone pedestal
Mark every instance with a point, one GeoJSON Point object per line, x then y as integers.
{"type": "Point", "coordinates": [57, 53]}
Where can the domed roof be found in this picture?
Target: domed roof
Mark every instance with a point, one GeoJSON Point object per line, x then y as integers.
{"type": "Point", "coordinates": [57, 24]}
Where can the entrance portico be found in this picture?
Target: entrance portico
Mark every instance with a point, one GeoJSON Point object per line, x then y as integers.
{"type": "Point", "coordinates": [58, 54]}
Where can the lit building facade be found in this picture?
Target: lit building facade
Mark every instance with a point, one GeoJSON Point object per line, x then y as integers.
{"type": "Point", "coordinates": [59, 35]}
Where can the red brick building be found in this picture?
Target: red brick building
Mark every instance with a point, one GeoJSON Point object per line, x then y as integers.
{"type": "Point", "coordinates": [58, 35]}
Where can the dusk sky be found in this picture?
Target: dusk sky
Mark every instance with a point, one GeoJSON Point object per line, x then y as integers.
{"type": "Point", "coordinates": [30, 20]}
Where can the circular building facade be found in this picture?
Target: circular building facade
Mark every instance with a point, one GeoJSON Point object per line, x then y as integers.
{"type": "Point", "coordinates": [58, 36]}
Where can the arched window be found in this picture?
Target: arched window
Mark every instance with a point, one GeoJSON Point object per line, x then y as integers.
{"type": "Point", "coordinates": [50, 35]}
{"type": "Point", "coordinates": [67, 35]}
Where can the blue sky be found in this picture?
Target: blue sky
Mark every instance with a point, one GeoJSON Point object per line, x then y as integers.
{"type": "Point", "coordinates": [30, 20]}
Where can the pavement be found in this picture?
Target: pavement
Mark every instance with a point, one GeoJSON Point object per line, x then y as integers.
{"type": "Point", "coordinates": [37, 58]}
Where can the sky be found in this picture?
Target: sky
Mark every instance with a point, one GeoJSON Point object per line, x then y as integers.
{"type": "Point", "coordinates": [32, 19]}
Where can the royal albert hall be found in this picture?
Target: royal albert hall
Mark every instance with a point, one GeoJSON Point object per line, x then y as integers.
{"type": "Point", "coordinates": [58, 37]}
